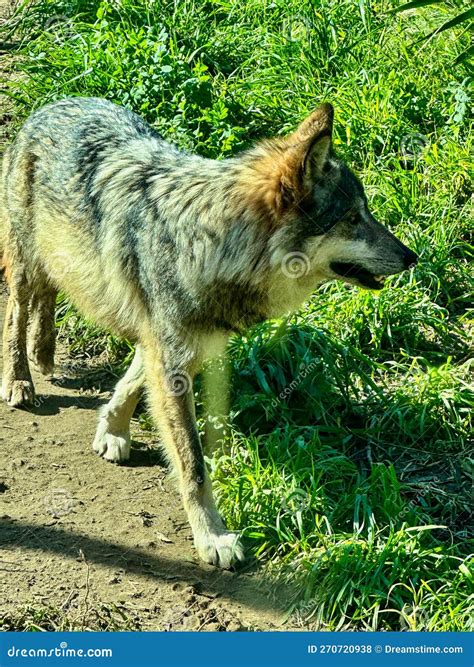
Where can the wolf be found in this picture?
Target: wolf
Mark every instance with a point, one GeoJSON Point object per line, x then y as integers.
{"type": "Point", "coordinates": [176, 252]}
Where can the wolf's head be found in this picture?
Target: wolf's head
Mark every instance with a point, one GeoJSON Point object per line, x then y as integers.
{"type": "Point", "coordinates": [321, 209]}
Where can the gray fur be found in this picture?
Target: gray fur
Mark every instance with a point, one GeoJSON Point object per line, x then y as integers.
{"type": "Point", "coordinates": [175, 252]}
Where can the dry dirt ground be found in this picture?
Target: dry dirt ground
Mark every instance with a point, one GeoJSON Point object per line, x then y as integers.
{"type": "Point", "coordinates": [78, 533]}
{"type": "Point", "coordinates": [96, 541]}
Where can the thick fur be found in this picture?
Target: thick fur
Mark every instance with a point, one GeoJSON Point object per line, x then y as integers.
{"type": "Point", "coordinates": [175, 252]}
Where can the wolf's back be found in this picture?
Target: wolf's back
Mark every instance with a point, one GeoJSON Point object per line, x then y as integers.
{"type": "Point", "coordinates": [73, 215]}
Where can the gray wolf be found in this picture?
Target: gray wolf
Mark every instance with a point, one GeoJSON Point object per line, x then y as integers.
{"type": "Point", "coordinates": [175, 252]}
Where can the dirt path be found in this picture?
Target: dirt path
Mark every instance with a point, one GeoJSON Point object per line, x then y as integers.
{"type": "Point", "coordinates": [93, 539]}
{"type": "Point", "coordinates": [77, 532]}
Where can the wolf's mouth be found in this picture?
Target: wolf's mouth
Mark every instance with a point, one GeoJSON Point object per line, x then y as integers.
{"type": "Point", "coordinates": [357, 272]}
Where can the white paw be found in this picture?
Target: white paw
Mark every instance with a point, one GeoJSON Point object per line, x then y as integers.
{"type": "Point", "coordinates": [111, 446]}
{"type": "Point", "coordinates": [223, 549]}
{"type": "Point", "coordinates": [18, 393]}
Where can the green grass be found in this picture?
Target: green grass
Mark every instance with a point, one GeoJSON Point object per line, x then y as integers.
{"type": "Point", "coordinates": [348, 461]}
{"type": "Point", "coordinates": [104, 617]}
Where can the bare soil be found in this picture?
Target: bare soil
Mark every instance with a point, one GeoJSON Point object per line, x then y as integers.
{"type": "Point", "coordinates": [83, 536]}
{"type": "Point", "coordinates": [77, 532]}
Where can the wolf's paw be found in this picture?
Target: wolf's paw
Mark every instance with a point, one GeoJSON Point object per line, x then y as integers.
{"type": "Point", "coordinates": [223, 549]}
{"type": "Point", "coordinates": [18, 393]}
{"type": "Point", "coordinates": [111, 446]}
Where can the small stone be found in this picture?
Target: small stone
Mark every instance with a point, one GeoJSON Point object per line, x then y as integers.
{"type": "Point", "coordinates": [234, 626]}
{"type": "Point", "coordinates": [212, 627]}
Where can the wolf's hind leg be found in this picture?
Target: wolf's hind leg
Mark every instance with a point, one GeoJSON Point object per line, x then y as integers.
{"type": "Point", "coordinates": [41, 339]}
{"type": "Point", "coordinates": [112, 439]}
{"type": "Point", "coordinates": [17, 386]}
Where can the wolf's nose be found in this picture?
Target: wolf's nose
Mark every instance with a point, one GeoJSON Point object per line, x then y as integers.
{"type": "Point", "coordinates": [410, 259]}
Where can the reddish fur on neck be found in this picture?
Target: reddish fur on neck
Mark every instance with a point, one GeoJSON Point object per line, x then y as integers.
{"type": "Point", "coordinates": [272, 178]}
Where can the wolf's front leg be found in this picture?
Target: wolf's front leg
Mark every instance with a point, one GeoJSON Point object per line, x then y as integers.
{"type": "Point", "coordinates": [171, 398]}
{"type": "Point", "coordinates": [112, 439]}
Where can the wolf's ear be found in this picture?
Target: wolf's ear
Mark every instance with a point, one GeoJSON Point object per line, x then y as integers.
{"type": "Point", "coordinates": [285, 169]}
{"type": "Point", "coordinates": [313, 139]}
